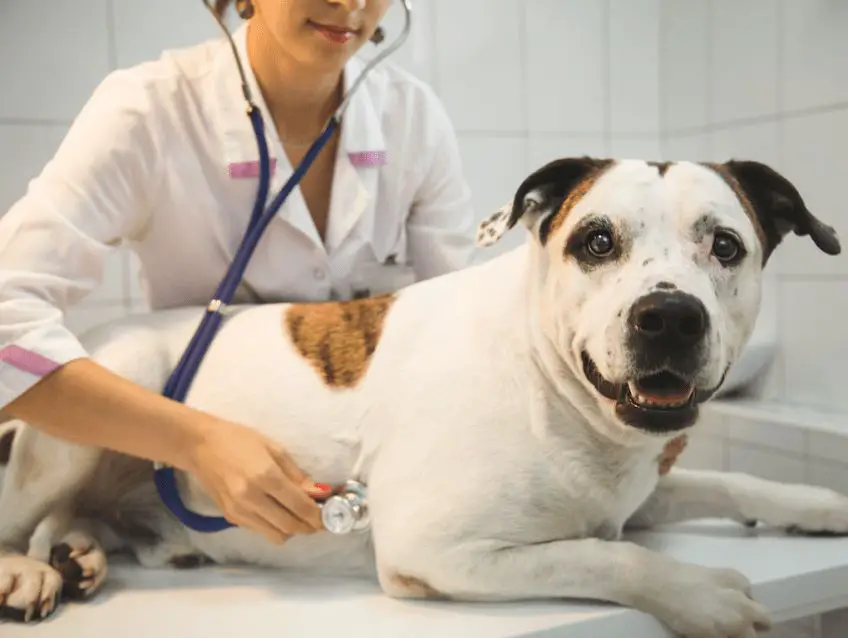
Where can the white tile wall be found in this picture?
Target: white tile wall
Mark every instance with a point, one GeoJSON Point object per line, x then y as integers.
{"type": "Point", "coordinates": [634, 51]}
{"type": "Point", "coordinates": [24, 149]}
{"type": "Point", "coordinates": [684, 65]}
{"type": "Point", "coordinates": [815, 51]}
{"type": "Point", "coordinates": [566, 86]}
{"type": "Point", "coordinates": [480, 70]}
{"type": "Point", "coordinates": [52, 59]}
{"type": "Point", "coordinates": [766, 80]}
{"type": "Point", "coordinates": [743, 59]}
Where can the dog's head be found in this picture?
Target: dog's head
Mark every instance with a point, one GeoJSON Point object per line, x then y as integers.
{"type": "Point", "coordinates": [650, 273]}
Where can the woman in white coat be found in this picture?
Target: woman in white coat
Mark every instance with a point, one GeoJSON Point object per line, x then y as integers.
{"type": "Point", "coordinates": [163, 158]}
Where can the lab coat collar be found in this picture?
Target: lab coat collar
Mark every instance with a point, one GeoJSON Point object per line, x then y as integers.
{"type": "Point", "coordinates": [362, 146]}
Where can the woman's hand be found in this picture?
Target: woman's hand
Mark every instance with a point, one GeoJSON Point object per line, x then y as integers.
{"type": "Point", "coordinates": [255, 483]}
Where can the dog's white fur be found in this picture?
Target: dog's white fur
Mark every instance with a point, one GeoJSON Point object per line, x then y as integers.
{"type": "Point", "coordinates": [495, 469]}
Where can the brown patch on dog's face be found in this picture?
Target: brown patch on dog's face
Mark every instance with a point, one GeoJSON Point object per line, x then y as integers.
{"type": "Point", "coordinates": [413, 587]}
{"type": "Point", "coordinates": [747, 206]}
{"type": "Point", "coordinates": [672, 450]}
{"type": "Point", "coordinates": [338, 338]}
{"type": "Point", "coordinates": [575, 195]}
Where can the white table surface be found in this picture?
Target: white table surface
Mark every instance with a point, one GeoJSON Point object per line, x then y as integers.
{"type": "Point", "coordinates": [793, 576]}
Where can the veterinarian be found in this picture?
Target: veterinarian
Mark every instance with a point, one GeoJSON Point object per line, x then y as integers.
{"type": "Point", "coordinates": [163, 159]}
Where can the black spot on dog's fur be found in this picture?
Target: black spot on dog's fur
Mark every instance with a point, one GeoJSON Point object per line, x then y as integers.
{"type": "Point", "coordinates": [13, 614]}
{"type": "Point", "coordinates": [703, 227]}
{"type": "Point", "coordinates": [6, 447]}
{"type": "Point", "coordinates": [188, 561]}
{"type": "Point", "coordinates": [665, 285]}
{"type": "Point", "coordinates": [70, 570]}
{"type": "Point", "coordinates": [648, 261]}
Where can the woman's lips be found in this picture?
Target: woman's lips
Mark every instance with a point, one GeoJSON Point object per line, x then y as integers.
{"type": "Point", "coordinates": [339, 35]}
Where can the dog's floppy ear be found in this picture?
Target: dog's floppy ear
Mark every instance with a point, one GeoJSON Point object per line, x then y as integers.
{"type": "Point", "coordinates": [779, 208]}
{"type": "Point", "coordinates": [540, 198]}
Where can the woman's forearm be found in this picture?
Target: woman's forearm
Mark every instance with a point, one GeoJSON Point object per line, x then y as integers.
{"type": "Point", "coordinates": [84, 403]}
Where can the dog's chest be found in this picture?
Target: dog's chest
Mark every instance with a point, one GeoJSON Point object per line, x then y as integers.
{"type": "Point", "coordinates": [594, 497]}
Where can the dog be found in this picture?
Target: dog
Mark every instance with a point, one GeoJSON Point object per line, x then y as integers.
{"type": "Point", "coordinates": [510, 419]}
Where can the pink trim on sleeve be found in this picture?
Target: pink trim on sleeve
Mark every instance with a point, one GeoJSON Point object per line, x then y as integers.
{"type": "Point", "coordinates": [27, 360]}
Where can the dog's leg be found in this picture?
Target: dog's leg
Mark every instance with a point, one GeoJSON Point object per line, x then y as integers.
{"type": "Point", "coordinates": [684, 495]}
{"type": "Point", "coordinates": [81, 561]}
{"type": "Point", "coordinates": [60, 548]}
{"type": "Point", "coordinates": [42, 473]}
{"type": "Point", "coordinates": [692, 600]}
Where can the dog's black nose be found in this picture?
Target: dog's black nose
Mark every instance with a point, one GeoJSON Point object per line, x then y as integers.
{"type": "Point", "coordinates": [671, 319]}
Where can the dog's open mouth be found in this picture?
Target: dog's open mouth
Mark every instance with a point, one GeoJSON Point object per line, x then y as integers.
{"type": "Point", "coordinates": [663, 390]}
{"type": "Point", "coordinates": [662, 401]}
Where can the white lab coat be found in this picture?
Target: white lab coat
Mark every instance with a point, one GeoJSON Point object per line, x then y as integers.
{"type": "Point", "coordinates": [163, 159]}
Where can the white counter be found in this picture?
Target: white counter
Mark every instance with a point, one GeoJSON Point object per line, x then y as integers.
{"type": "Point", "coordinates": [793, 576]}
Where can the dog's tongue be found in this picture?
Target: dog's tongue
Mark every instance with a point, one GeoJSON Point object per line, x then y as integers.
{"type": "Point", "coordinates": [663, 389]}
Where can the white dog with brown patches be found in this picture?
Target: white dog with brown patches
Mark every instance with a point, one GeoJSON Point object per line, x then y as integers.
{"type": "Point", "coordinates": [568, 363]}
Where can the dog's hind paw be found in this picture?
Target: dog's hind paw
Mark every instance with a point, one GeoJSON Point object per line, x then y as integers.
{"type": "Point", "coordinates": [82, 565]}
{"type": "Point", "coordinates": [29, 589]}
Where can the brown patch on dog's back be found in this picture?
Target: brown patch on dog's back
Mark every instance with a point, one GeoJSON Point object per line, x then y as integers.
{"type": "Point", "coordinates": [737, 189]}
{"type": "Point", "coordinates": [338, 338]}
{"type": "Point", "coordinates": [576, 194]}
{"type": "Point", "coordinates": [672, 450]}
{"type": "Point", "coordinates": [412, 587]}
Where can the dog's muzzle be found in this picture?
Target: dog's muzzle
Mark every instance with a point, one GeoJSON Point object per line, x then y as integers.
{"type": "Point", "coordinates": [667, 340]}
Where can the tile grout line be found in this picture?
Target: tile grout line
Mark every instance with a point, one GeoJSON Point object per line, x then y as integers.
{"type": "Point", "coordinates": [662, 106]}
{"type": "Point", "coordinates": [111, 39]}
{"type": "Point", "coordinates": [607, 36]}
{"type": "Point", "coordinates": [783, 116]}
{"type": "Point", "coordinates": [32, 121]}
{"type": "Point", "coordinates": [524, 66]}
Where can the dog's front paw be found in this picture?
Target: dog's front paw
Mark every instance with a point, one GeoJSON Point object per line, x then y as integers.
{"type": "Point", "coordinates": [29, 589]}
{"type": "Point", "coordinates": [805, 509]}
{"type": "Point", "coordinates": [702, 602]}
{"type": "Point", "coordinates": [82, 565]}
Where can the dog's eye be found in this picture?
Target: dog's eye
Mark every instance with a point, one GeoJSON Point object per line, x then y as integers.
{"type": "Point", "coordinates": [599, 243]}
{"type": "Point", "coordinates": [726, 247]}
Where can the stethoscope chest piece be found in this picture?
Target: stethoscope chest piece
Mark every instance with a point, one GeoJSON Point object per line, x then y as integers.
{"type": "Point", "coordinates": [346, 511]}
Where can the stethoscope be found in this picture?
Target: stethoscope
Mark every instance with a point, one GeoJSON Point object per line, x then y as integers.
{"type": "Point", "coordinates": [346, 510]}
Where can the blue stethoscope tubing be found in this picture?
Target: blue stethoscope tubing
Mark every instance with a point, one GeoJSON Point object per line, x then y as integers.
{"type": "Point", "coordinates": [186, 369]}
